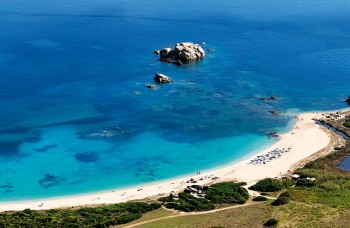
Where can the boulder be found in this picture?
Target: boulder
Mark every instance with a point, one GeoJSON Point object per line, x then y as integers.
{"type": "Point", "coordinates": [166, 53]}
{"type": "Point", "coordinates": [188, 51]}
{"type": "Point", "coordinates": [183, 53]}
{"type": "Point", "coordinates": [161, 78]}
{"type": "Point", "coordinates": [178, 62]}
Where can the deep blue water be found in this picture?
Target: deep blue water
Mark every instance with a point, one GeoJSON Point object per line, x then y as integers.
{"type": "Point", "coordinates": [75, 113]}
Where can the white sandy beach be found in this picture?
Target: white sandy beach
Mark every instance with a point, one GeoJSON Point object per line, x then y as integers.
{"type": "Point", "coordinates": [305, 139]}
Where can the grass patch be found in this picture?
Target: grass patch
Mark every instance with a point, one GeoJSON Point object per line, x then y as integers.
{"type": "Point", "coordinates": [302, 215]}
{"type": "Point", "coordinates": [252, 215]}
{"type": "Point", "coordinates": [102, 216]}
{"type": "Point", "coordinates": [255, 215]}
{"type": "Point", "coordinates": [331, 187]}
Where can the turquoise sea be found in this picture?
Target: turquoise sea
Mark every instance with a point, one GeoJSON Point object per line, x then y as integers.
{"type": "Point", "coordinates": [76, 116]}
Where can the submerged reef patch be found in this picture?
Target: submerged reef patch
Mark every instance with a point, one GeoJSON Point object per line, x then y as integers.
{"type": "Point", "coordinates": [32, 137]}
{"type": "Point", "coordinates": [46, 148]}
{"type": "Point", "coordinates": [50, 180]}
{"type": "Point", "coordinates": [86, 157]}
{"type": "Point", "coordinates": [7, 187]}
{"type": "Point", "coordinates": [9, 148]}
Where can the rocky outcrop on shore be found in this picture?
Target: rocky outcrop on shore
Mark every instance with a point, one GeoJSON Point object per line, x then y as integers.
{"type": "Point", "coordinates": [184, 52]}
{"type": "Point", "coordinates": [347, 100]}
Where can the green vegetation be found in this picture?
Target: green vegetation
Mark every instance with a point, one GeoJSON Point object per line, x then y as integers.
{"type": "Point", "coordinates": [227, 192]}
{"type": "Point", "coordinates": [187, 203]}
{"type": "Point", "coordinates": [292, 214]}
{"type": "Point", "coordinates": [347, 123]}
{"type": "Point", "coordinates": [320, 182]}
{"type": "Point", "coordinates": [331, 185]}
{"type": "Point", "coordinates": [247, 215]}
{"type": "Point", "coordinates": [102, 216]}
{"type": "Point", "coordinates": [220, 193]}
{"type": "Point", "coordinates": [282, 199]}
{"type": "Point", "coordinates": [259, 198]}
{"type": "Point", "coordinates": [272, 222]}
{"type": "Point", "coordinates": [271, 185]}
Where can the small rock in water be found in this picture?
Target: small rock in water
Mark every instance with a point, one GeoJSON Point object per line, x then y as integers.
{"type": "Point", "coordinates": [268, 98]}
{"type": "Point", "coordinates": [161, 78]}
{"type": "Point", "coordinates": [150, 86]}
{"type": "Point", "coordinates": [347, 100]}
{"type": "Point", "coordinates": [156, 52]}
{"type": "Point", "coordinates": [275, 113]}
{"type": "Point", "coordinates": [272, 134]}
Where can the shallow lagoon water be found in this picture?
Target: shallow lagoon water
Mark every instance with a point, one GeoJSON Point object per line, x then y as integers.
{"type": "Point", "coordinates": [345, 164]}
{"type": "Point", "coordinates": [76, 116]}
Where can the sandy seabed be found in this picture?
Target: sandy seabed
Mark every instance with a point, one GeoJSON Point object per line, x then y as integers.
{"type": "Point", "coordinates": [307, 141]}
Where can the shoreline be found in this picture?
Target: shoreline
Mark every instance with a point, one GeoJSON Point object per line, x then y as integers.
{"type": "Point", "coordinates": [306, 139]}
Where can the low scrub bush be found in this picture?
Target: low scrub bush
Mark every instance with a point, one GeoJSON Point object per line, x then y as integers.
{"type": "Point", "coordinates": [166, 199]}
{"type": "Point", "coordinates": [272, 222]}
{"type": "Point", "coordinates": [280, 201]}
{"type": "Point", "coordinates": [305, 183]}
{"type": "Point", "coordinates": [347, 123]}
{"type": "Point", "coordinates": [271, 185]}
{"type": "Point", "coordinates": [285, 194]}
{"type": "Point", "coordinates": [226, 192]}
{"type": "Point", "coordinates": [259, 198]}
{"type": "Point", "coordinates": [187, 203]}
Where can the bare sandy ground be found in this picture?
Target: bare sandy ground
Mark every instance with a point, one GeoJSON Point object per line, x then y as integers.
{"type": "Point", "coordinates": [305, 140]}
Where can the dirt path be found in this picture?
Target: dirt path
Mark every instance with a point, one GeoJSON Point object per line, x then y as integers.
{"type": "Point", "coordinates": [182, 214]}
